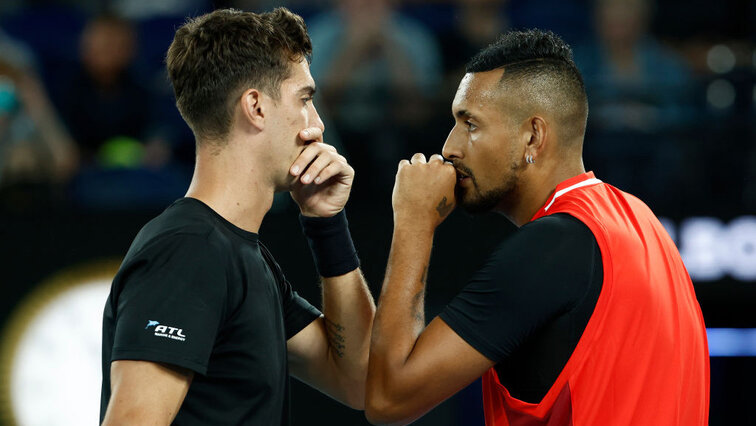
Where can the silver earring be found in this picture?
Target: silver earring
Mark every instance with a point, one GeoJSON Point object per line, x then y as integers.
{"type": "Point", "coordinates": [529, 159]}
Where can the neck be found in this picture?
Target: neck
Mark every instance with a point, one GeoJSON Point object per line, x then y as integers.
{"type": "Point", "coordinates": [232, 185]}
{"type": "Point", "coordinates": [536, 185]}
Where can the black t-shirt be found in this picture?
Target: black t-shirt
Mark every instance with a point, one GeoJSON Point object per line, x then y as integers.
{"type": "Point", "coordinates": [197, 292]}
{"type": "Point", "coordinates": [527, 307]}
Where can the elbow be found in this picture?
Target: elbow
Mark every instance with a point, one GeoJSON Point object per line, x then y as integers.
{"type": "Point", "coordinates": [356, 405]}
{"type": "Point", "coordinates": [353, 394]}
{"type": "Point", "coordinates": [382, 411]}
{"type": "Point", "coordinates": [354, 385]}
{"type": "Point", "coordinates": [377, 413]}
{"type": "Point", "coordinates": [356, 400]}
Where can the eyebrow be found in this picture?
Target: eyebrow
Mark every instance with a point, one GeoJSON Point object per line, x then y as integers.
{"type": "Point", "coordinates": [463, 113]}
{"type": "Point", "coordinates": [308, 90]}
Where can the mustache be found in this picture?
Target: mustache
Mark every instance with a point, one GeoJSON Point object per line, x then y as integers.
{"type": "Point", "coordinates": [465, 170]}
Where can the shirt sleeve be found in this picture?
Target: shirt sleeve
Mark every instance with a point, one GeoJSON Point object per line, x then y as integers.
{"type": "Point", "coordinates": [170, 303]}
{"type": "Point", "coordinates": [539, 273]}
{"type": "Point", "coordinates": [298, 313]}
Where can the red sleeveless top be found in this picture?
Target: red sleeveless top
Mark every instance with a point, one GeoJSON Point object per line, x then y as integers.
{"type": "Point", "coordinates": [642, 358]}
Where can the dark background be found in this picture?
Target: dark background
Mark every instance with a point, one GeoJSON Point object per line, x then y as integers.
{"type": "Point", "coordinates": [692, 155]}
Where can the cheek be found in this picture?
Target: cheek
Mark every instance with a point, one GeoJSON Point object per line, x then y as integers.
{"type": "Point", "coordinates": [493, 163]}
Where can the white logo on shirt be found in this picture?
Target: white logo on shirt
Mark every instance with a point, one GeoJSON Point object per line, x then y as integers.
{"type": "Point", "coordinates": [168, 332]}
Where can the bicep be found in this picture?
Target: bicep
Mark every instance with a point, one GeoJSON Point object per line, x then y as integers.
{"type": "Point", "coordinates": [440, 365]}
{"type": "Point", "coordinates": [528, 282]}
{"type": "Point", "coordinates": [306, 351]}
{"type": "Point", "coordinates": [145, 392]}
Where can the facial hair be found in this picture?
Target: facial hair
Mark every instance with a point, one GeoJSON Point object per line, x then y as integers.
{"type": "Point", "coordinates": [474, 201]}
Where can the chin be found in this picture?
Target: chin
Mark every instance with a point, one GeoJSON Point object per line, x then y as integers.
{"type": "Point", "coordinates": [475, 208]}
{"type": "Point", "coordinates": [477, 203]}
{"type": "Point", "coordinates": [473, 205]}
{"type": "Point", "coordinates": [286, 185]}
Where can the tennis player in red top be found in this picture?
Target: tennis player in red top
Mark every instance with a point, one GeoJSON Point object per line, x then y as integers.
{"type": "Point", "coordinates": [584, 316]}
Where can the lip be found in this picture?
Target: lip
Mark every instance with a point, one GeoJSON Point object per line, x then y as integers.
{"type": "Point", "coordinates": [462, 177]}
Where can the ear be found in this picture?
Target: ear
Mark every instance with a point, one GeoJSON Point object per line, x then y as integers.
{"type": "Point", "coordinates": [535, 135]}
{"type": "Point", "coordinates": [253, 108]}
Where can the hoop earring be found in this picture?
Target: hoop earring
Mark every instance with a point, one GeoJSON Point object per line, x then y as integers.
{"type": "Point", "coordinates": [529, 159]}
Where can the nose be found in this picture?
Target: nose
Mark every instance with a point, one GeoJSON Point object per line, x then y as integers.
{"type": "Point", "coordinates": [452, 147]}
{"type": "Point", "coordinates": [318, 122]}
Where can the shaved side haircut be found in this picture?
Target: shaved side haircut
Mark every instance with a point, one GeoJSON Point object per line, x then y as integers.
{"type": "Point", "coordinates": [539, 69]}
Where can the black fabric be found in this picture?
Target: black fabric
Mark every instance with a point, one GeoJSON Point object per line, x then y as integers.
{"type": "Point", "coordinates": [197, 292]}
{"type": "Point", "coordinates": [527, 307]}
{"type": "Point", "coordinates": [331, 244]}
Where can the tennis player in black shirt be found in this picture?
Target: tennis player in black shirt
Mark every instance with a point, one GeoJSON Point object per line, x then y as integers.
{"type": "Point", "coordinates": [201, 327]}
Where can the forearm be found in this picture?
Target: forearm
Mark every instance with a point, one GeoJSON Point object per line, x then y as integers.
{"type": "Point", "coordinates": [348, 306]}
{"type": "Point", "coordinates": [348, 309]}
{"type": "Point", "coordinates": [400, 317]}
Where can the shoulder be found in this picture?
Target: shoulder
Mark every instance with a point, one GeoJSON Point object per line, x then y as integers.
{"type": "Point", "coordinates": [556, 222]}
{"type": "Point", "coordinates": [559, 227]}
{"type": "Point", "coordinates": [553, 239]}
{"type": "Point", "coordinates": [181, 228]}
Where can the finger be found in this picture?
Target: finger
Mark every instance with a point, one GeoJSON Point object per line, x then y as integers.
{"type": "Point", "coordinates": [336, 168]}
{"type": "Point", "coordinates": [306, 157]}
{"type": "Point", "coordinates": [311, 134]}
{"type": "Point", "coordinates": [322, 161]}
{"type": "Point", "coordinates": [436, 158]}
{"type": "Point", "coordinates": [418, 158]}
{"type": "Point", "coordinates": [403, 163]}
{"type": "Point", "coordinates": [449, 168]}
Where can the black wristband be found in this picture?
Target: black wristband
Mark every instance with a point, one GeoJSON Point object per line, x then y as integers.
{"type": "Point", "coordinates": [331, 244]}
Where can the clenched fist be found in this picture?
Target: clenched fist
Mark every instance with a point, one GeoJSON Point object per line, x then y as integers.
{"type": "Point", "coordinates": [424, 191]}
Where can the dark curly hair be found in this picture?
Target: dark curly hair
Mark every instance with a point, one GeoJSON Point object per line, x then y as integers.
{"type": "Point", "coordinates": [215, 57]}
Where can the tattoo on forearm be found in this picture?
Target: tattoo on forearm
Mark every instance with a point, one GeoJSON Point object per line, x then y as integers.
{"type": "Point", "coordinates": [335, 337]}
{"type": "Point", "coordinates": [443, 208]}
{"type": "Point", "coordinates": [418, 300]}
{"type": "Point", "coordinates": [417, 307]}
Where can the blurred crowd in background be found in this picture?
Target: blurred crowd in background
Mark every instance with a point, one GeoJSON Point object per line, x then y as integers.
{"type": "Point", "coordinates": [87, 116]}
{"type": "Point", "coordinates": [92, 145]}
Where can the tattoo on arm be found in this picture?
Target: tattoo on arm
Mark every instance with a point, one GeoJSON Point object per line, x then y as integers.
{"type": "Point", "coordinates": [418, 300]}
{"type": "Point", "coordinates": [443, 208]}
{"type": "Point", "coordinates": [418, 308]}
{"type": "Point", "coordinates": [335, 337]}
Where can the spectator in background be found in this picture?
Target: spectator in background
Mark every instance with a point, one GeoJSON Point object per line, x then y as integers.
{"type": "Point", "coordinates": [106, 108]}
{"type": "Point", "coordinates": [377, 70]}
{"type": "Point", "coordinates": [35, 147]}
{"type": "Point", "coordinates": [639, 100]}
{"type": "Point", "coordinates": [477, 23]}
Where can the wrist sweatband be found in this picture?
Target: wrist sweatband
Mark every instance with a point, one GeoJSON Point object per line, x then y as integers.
{"type": "Point", "coordinates": [331, 244]}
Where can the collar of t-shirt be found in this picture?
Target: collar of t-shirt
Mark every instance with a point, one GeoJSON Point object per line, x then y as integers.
{"type": "Point", "coordinates": [250, 236]}
{"type": "Point", "coordinates": [575, 182]}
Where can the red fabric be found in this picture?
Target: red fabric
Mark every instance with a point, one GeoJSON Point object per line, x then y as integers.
{"type": "Point", "coordinates": [643, 357]}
